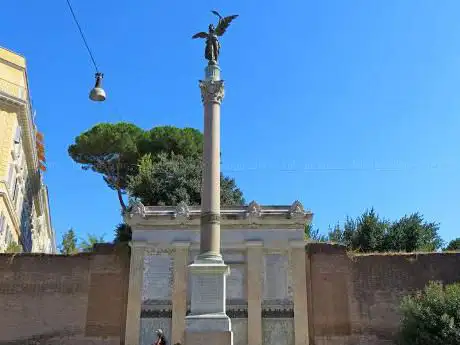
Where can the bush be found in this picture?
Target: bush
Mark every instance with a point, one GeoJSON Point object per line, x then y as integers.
{"type": "Point", "coordinates": [432, 316]}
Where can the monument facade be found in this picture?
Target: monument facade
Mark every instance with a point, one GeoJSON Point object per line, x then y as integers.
{"type": "Point", "coordinates": [265, 290]}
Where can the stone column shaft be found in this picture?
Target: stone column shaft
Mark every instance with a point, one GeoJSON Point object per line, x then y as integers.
{"type": "Point", "coordinates": [136, 276]}
{"type": "Point", "coordinates": [179, 293]}
{"type": "Point", "coordinates": [212, 93]}
{"type": "Point", "coordinates": [210, 202]}
{"type": "Point", "coordinates": [254, 291]}
{"type": "Point", "coordinates": [299, 280]}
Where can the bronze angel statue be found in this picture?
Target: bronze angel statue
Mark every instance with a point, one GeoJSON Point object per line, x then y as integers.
{"type": "Point", "coordinates": [212, 49]}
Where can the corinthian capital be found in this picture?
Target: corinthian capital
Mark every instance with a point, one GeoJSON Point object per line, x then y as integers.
{"type": "Point", "coordinates": [212, 91]}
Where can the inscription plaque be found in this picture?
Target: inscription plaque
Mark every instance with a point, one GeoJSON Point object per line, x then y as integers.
{"type": "Point", "coordinates": [157, 277]}
{"type": "Point", "coordinates": [235, 282]}
{"type": "Point", "coordinates": [275, 280]}
{"type": "Point", "coordinates": [209, 290]}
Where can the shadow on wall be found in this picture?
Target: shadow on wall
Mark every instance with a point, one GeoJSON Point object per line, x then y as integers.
{"type": "Point", "coordinates": [58, 299]}
{"type": "Point", "coordinates": [355, 298]}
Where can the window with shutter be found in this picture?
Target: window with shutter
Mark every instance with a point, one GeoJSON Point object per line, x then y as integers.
{"type": "Point", "coordinates": [2, 223]}
{"type": "Point", "coordinates": [8, 237]}
{"type": "Point", "coordinates": [17, 135]}
{"type": "Point", "coordinates": [10, 175]}
{"type": "Point", "coordinates": [15, 190]}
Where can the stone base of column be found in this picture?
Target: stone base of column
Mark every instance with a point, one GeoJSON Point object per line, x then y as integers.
{"type": "Point", "coordinates": [209, 338]}
{"type": "Point", "coordinates": [207, 311]}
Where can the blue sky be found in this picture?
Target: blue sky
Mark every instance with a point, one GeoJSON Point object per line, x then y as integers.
{"type": "Point", "coordinates": [343, 105]}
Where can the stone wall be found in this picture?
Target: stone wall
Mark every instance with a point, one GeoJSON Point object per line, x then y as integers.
{"type": "Point", "coordinates": [355, 299]}
{"type": "Point", "coordinates": [57, 299]}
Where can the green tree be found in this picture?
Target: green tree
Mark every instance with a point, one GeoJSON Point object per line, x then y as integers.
{"type": "Point", "coordinates": [111, 150]}
{"type": "Point", "coordinates": [370, 233]}
{"type": "Point", "coordinates": [171, 179]}
{"type": "Point", "coordinates": [123, 233]}
{"type": "Point", "coordinates": [335, 235]}
{"type": "Point", "coordinates": [86, 245]}
{"type": "Point", "coordinates": [411, 233]}
{"type": "Point", "coordinates": [314, 234]}
{"type": "Point", "coordinates": [116, 151]}
{"type": "Point", "coordinates": [68, 244]}
{"type": "Point", "coordinates": [431, 317]}
{"type": "Point", "coordinates": [187, 142]}
{"type": "Point", "coordinates": [453, 245]}
{"type": "Point", "coordinates": [13, 247]}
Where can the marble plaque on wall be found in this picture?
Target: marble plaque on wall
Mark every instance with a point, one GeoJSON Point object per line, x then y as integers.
{"type": "Point", "coordinates": [277, 331]}
{"type": "Point", "coordinates": [235, 282]}
{"type": "Point", "coordinates": [148, 328]}
{"type": "Point", "coordinates": [157, 284]}
{"type": "Point", "coordinates": [240, 331]}
{"type": "Point", "coordinates": [276, 276]}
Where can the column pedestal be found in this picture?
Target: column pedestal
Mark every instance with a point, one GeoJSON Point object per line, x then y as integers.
{"type": "Point", "coordinates": [207, 309]}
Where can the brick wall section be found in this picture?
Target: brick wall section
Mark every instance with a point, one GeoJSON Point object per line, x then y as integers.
{"type": "Point", "coordinates": [355, 299]}
{"type": "Point", "coordinates": [57, 299]}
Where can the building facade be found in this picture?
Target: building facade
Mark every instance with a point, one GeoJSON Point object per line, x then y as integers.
{"type": "Point", "coordinates": [25, 222]}
{"type": "Point", "coordinates": [266, 289]}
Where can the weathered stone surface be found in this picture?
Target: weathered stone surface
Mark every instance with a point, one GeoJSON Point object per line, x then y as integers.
{"type": "Point", "coordinates": [66, 299]}
{"type": "Point", "coordinates": [278, 331]}
{"type": "Point", "coordinates": [236, 282]}
{"type": "Point", "coordinates": [158, 277]}
{"type": "Point", "coordinates": [276, 268]}
{"type": "Point", "coordinates": [205, 338]}
{"type": "Point", "coordinates": [240, 331]}
{"type": "Point", "coordinates": [150, 325]}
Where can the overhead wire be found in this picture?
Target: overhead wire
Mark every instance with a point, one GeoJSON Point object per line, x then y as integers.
{"type": "Point", "coordinates": [82, 36]}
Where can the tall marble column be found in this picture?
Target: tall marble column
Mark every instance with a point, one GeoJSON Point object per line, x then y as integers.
{"type": "Point", "coordinates": [212, 94]}
{"type": "Point", "coordinates": [136, 274]}
{"type": "Point", "coordinates": [254, 292]}
{"type": "Point", "coordinates": [179, 292]}
{"type": "Point", "coordinates": [208, 322]}
{"type": "Point", "coordinates": [299, 284]}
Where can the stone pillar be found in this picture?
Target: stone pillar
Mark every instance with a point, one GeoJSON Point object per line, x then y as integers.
{"type": "Point", "coordinates": [254, 291]}
{"type": "Point", "coordinates": [179, 292]}
{"type": "Point", "coordinates": [299, 282]}
{"type": "Point", "coordinates": [212, 94]}
{"type": "Point", "coordinates": [133, 310]}
{"type": "Point", "coordinates": [208, 322]}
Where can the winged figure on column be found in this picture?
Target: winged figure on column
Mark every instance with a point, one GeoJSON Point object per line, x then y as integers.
{"type": "Point", "coordinates": [211, 52]}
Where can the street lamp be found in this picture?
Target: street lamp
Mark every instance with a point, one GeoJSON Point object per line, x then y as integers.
{"type": "Point", "coordinates": [97, 93]}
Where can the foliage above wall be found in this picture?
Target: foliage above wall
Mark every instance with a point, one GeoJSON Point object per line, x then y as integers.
{"type": "Point", "coordinates": [71, 245]}
{"type": "Point", "coordinates": [160, 166]}
{"type": "Point", "coordinates": [370, 233]}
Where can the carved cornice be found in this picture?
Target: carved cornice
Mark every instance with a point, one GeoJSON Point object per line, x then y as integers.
{"type": "Point", "coordinates": [253, 210]}
{"type": "Point", "coordinates": [234, 313]}
{"type": "Point", "coordinates": [182, 212]}
{"type": "Point", "coordinates": [212, 91]}
{"type": "Point", "coordinates": [156, 314]}
{"type": "Point", "coordinates": [296, 210]}
{"type": "Point", "coordinates": [276, 313]}
{"type": "Point", "coordinates": [246, 216]}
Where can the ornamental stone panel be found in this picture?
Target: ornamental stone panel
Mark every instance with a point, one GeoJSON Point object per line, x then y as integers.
{"type": "Point", "coordinates": [278, 331]}
{"type": "Point", "coordinates": [158, 277]}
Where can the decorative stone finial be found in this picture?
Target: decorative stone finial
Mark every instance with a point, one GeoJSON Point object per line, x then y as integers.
{"type": "Point", "coordinates": [253, 209]}
{"type": "Point", "coordinates": [182, 211]}
{"type": "Point", "coordinates": [212, 91]}
{"type": "Point", "coordinates": [137, 209]}
{"type": "Point", "coordinates": [296, 210]}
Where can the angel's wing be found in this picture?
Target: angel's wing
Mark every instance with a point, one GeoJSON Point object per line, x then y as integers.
{"type": "Point", "coordinates": [217, 14]}
{"type": "Point", "coordinates": [201, 35]}
{"type": "Point", "coordinates": [223, 24]}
